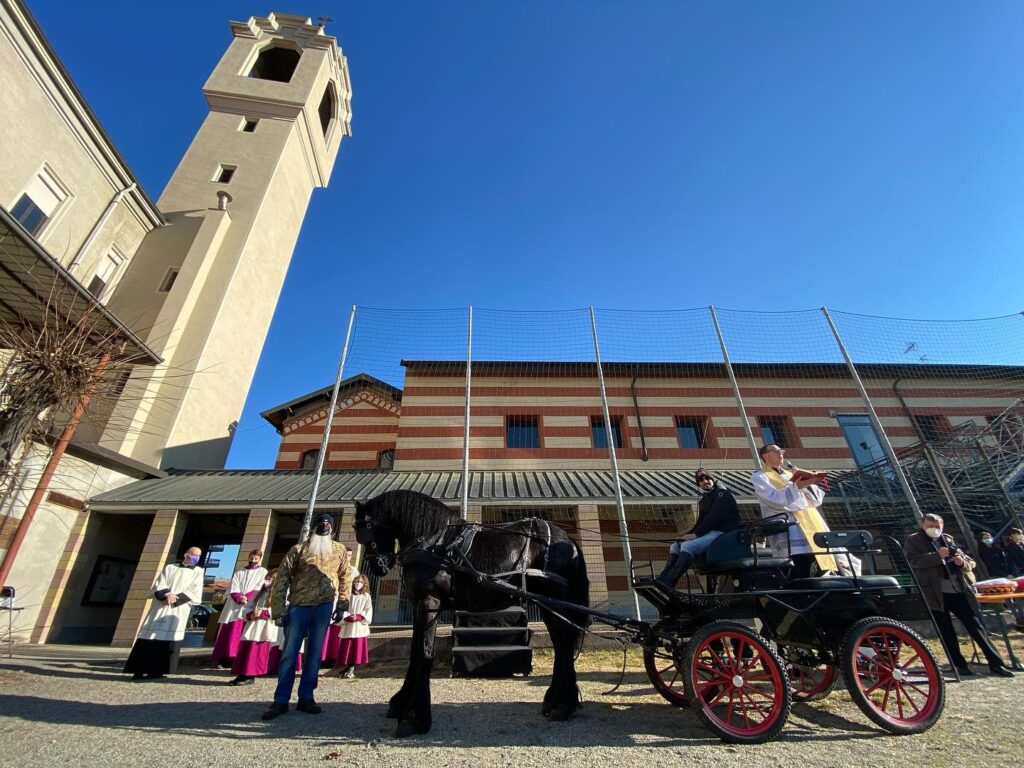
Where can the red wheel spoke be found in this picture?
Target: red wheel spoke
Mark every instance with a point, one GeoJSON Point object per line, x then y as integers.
{"type": "Point", "coordinates": [732, 705]}
{"type": "Point", "coordinates": [910, 700]}
{"type": "Point", "coordinates": [721, 692]}
{"type": "Point", "coordinates": [899, 700]}
{"type": "Point", "coordinates": [765, 678]}
{"type": "Point", "coordinates": [757, 708]}
{"type": "Point", "coordinates": [719, 662]}
{"type": "Point", "coordinates": [915, 657]}
{"type": "Point", "coordinates": [885, 698]}
{"type": "Point", "coordinates": [927, 694]}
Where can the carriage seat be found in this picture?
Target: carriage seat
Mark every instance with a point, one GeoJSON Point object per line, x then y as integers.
{"type": "Point", "coordinates": [735, 551]}
{"type": "Point", "coordinates": [823, 583]}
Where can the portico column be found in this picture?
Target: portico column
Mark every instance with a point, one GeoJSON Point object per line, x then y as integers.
{"type": "Point", "coordinates": [588, 525]}
{"type": "Point", "coordinates": [61, 577]}
{"type": "Point", "coordinates": [259, 534]}
{"type": "Point", "coordinates": [161, 545]}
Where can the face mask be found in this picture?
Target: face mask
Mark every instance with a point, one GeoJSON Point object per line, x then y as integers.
{"type": "Point", "coordinates": [932, 533]}
{"type": "Point", "coordinates": [987, 542]}
{"type": "Point", "coordinates": [324, 529]}
{"type": "Point", "coordinates": [254, 563]}
{"type": "Point", "coordinates": [357, 588]}
{"type": "Point", "coordinates": [193, 559]}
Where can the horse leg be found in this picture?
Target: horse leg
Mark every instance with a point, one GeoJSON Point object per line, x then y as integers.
{"type": "Point", "coordinates": [398, 705]}
{"type": "Point", "coordinates": [418, 718]}
{"type": "Point", "coordinates": [562, 697]}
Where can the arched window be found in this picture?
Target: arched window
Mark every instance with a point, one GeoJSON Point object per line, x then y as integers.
{"type": "Point", "coordinates": [308, 460]}
{"type": "Point", "coordinates": [387, 459]}
{"type": "Point", "coordinates": [328, 107]}
{"type": "Point", "coordinates": [275, 62]}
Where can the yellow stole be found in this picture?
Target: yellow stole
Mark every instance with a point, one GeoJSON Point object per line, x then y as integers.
{"type": "Point", "coordinates": [809, 520]}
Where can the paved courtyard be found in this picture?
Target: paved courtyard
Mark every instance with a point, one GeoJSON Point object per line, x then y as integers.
{"type": "Point", "coordinates": [76, 709]}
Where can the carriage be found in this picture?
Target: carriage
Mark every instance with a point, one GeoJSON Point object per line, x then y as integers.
{"type": "Point", "coordinates": [738, 653]}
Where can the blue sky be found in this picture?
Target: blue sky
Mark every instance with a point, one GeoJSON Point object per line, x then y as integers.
{"type": "Point", "coordinates": [539, 155]}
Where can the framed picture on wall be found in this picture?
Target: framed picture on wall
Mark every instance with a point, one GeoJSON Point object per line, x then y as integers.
{"type": "Point", "coordinates": [110, 580]}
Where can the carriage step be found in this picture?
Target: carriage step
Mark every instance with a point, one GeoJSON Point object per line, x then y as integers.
{"type": "Point", "coordinates": [491, 636]}
{"type": "Point", "coordinates": [510, 617]}
{"type": "Point", "coordinates": [491, 661]}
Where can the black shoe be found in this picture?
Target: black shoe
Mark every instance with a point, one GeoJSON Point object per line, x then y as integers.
{"type": "Point", "coordinates": [274, 710]}
{"type": "Point", "coordinates": [138, 676]}
{"type": "Point", "coordinates": [965, 671]}
{"type": "Point", "coordinates": [310, 707]}
{"type": "Point", "coordinates": [154, 677]}
{"type": "Point", "coordinates": [1000, 671]}
{"type": "Point", "coordinates": [243, 680]}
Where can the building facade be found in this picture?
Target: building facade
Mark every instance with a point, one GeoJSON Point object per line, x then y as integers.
{"type": "Point", "coordinates": [193, 278]}
{"type": "Point", "coordinates": [538, 447]}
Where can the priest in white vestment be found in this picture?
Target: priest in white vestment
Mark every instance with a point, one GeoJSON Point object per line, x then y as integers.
{"type": "Point", "coordinates": [779, 493]}
{"type": "Point", "coordinates": [156, 649]}
{"type": "Point", "coordinates": [245, 585]}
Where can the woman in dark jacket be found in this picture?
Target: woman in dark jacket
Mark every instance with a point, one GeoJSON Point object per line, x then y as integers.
{"type": "Point", "coordinates": [992, 557]}
{"type": "Point", "coordinates": [947, 580]}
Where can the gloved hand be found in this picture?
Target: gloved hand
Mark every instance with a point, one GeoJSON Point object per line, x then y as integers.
{"type": "Point", "coordinates": [336, 616]}
{"type": "Point", "coordinates": [342, 604]}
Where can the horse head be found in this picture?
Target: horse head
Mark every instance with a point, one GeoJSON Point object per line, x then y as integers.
{"type": "Point", "coordinates": [377, 539]}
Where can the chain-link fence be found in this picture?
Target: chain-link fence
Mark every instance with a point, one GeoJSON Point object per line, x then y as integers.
{"type": "Point", "coordinates": [905, 416]}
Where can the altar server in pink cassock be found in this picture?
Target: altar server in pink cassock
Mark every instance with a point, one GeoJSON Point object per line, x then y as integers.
{"type": "Point", "coordinates": [245, 585]}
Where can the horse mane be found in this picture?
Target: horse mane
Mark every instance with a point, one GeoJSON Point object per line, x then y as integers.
{"type": "Point", "coordinates": [409, 513]}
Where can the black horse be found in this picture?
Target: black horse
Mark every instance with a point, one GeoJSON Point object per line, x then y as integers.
{"type": "Point", "coordinates": [422, 527]}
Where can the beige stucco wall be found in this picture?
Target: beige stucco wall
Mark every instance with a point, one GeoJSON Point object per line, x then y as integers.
{"type": "Point", "coordinates": [48, 534]}
{"type": "Point", "coordinates": [44, 123]}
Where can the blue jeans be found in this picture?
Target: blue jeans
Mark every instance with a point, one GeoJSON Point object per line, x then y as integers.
{"type": "Point", "coordinates": [694, 547]}
{"type": "Point", "coordinates": [309, 623]}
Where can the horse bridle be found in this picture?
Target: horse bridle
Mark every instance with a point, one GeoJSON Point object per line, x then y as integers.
{"type": "Point", "coordinates": [382, 561]}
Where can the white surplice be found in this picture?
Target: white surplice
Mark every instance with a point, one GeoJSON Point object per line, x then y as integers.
{"type": "Point", "coordinates": [169, 622]}
{"type": "Point", "coordinates": [246, 581]}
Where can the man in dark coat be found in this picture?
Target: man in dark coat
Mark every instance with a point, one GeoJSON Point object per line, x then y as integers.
{"type": "Point", "coordinates": [1015, 551]}
{"type": "Point", "coordinates": [993, 558]}
{"type": "Point", "coordinates": [947, 580]}
{"type": "Point", "coordinates": [717, 513]}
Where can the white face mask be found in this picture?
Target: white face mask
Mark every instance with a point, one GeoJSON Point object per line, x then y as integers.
{"type": "Point", "coordinates": [987, 541]}
{"type": "Point", "coordinates": [932, 533]}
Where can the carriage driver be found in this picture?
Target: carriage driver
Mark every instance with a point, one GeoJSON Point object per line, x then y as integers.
{"type": "Point", "coordinates": [717, 513]}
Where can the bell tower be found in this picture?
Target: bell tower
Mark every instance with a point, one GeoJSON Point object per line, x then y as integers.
{"type": "Point", "coordinates": [204, 288]}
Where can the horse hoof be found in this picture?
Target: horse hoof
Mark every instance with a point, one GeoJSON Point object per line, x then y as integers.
{"type": "Point", "coordinates": [404, 729]}
{"type": "Point", "coordinates": [545, 708]}
{"type": "Point", "coordinates": [393, 713]}
{"type": "Point", "coordinates": [558, 713]}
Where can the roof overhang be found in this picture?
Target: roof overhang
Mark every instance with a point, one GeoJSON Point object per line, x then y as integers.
{"type": "Point", "coordinates": [30, 278]}
{"type": "Point", "coordinates": [279, 414]}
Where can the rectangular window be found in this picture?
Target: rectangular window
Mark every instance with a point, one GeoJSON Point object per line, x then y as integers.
{"type": "Point", "coordinates": [934, 428]}
{"type": "Point", "coordinates": [105, 274]}
{"type": "Point", "coordinates": [773, 430]}
{"type": "Point", "coordinates": [224, 174]}
{"type": "Point", "coordinates": [43, 195]}
{"type": "Point", "coordinates": [522, 432]}
{"type": "Point", "coordinates": [168, 282]}
{"type": "Point", "coordinates": [120, 382]}
{"type": "Point", "coordinates": [691, 431]}
{"type": "Point", "coordinates": [599, 434]}
{"type": "Point", "coordinates": [249, 125]}
{"type": "Point", "coordinates": [29, 215]}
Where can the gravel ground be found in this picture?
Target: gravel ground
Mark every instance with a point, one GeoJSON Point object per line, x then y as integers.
{"type": "Point", "coordinates": [66, 711]}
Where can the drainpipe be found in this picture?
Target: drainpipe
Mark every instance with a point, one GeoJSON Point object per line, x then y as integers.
{"type": "Point", "coordinates": [99, 225]}
{"type": "Point", "coordinates": [639, 423]}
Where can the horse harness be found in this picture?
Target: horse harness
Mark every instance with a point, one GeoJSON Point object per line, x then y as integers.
{"type": "Point", "coordinates": [446, 551]}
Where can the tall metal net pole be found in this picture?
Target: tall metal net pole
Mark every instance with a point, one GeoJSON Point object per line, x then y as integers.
{"type": "Point", "coordinates": [736, 390]}
{"type": "Point", "coordinates": [883, 438]}
{"type": "Point", "coordinates": [610, 438]}
{"type": "Point", "coordinates": [465, 439]}
{"type": "Point", "coordinates": [307, 521]}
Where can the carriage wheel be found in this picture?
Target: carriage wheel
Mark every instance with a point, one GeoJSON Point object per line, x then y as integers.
{"type": "Point", "coordinates": [810, 683]}
{"type": "Point", "coordinates": [737, 683]}
{"type": "Point", "coordinates": [892, 676]}
{"type": "Point", "coordinates": [666, 675]}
